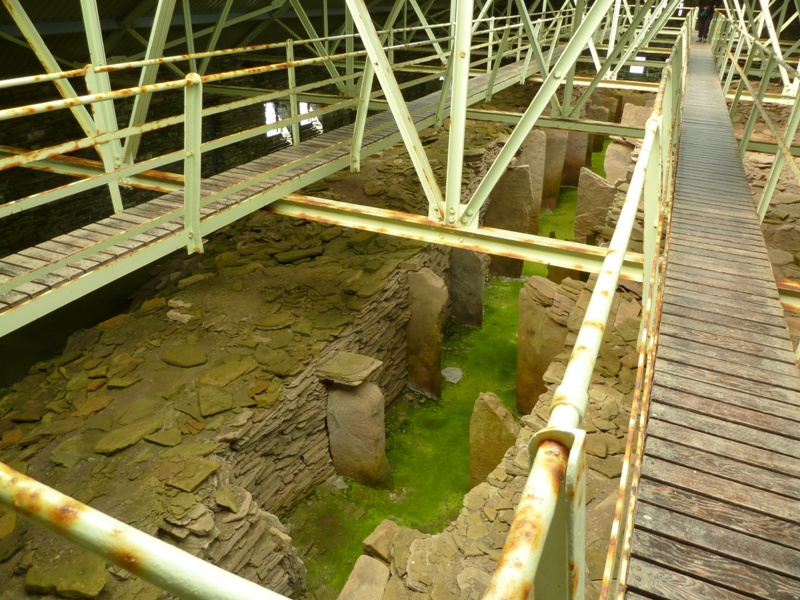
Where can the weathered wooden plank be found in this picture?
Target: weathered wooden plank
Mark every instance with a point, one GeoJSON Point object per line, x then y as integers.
{"type": "Point", "coordinates": [721, 281]}
{"type": "Point", "coordinates": [719, 234]}
{"type": "Point", "coordinates": [724, 321]}
{"type": "Point", "coordinates": [720, 341]}
{"type": "Point", "coordinates": [716, 569]}
{"type": "Point", "coordinates": [741, 371]}
{"type": "Point", "coordinates": [716, 539]}
{"type": "Point", "coordinates": [24, 262]}
{"type": "Point", "coordinates": [706, 414]}
{"type": "Point", "coordinates": [779, 343]}
{"type": "Point", "coordinates": [733, 382]}
{"type": "Point", "coordinates": [724, 490]}
{"type": "Point", "coordinates": [718, 250]}
{"type": "Point", "coordinates": [702, 507]}
{"type": "Point", "coordinates": [716, 296]}
{"type": "Point", "coordinates": [723, 466]}
{"type": "Point", "coordinates": [689, 380]}
{"type": "Point", "coordinates": [736, 362]}
{"type": "Point", "coordinates": [663, 583]}
{"type": "Point", "coordinates": [703, 260]}
{"type": "Point", "coordinates": [730, 309]}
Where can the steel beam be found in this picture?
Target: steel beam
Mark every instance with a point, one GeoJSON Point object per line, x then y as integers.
{"type": "Point", "coordinates": [533, 248]}
{"type": "Point", "coordinates": [212, 43]}
{"type": "Point", "coordinates": [99, 83]}
{"type": "Point", "coordinates": [320, 49]}
{"type": "Point", "coordinates": [49, 63]}
{"type": "Point", "coordinates": [458, 109]}
{"type": "Point", "coordinates": [157, 181]}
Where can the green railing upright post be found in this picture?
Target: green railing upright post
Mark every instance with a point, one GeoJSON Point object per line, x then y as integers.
{"type": "Point", "coordinates": [192, 161]}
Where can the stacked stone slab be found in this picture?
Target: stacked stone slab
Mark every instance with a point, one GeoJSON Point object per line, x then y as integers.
{"type": "Point", "coordinates": [458, 562]}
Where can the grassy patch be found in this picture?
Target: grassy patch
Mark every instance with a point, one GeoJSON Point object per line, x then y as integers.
{"type": "Point", "coordinates": [427, 446]}
{"type": "Point", "coordinates": [427, 441]}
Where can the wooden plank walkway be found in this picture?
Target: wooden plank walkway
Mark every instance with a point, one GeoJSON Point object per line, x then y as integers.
{"type": "Point", "coordinates": [718, 512]}
{"type": "Point", "coordinates": [277, 174]}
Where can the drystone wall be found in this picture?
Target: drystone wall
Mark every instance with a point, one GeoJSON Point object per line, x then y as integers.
{"type": "Point", "coordinates": [198, 416]}
{"type": "Point", "coordinates": [457, 563]}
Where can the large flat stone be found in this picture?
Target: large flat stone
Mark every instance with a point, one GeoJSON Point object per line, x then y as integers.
{"type": "Point", "coordinates": [367, 581]}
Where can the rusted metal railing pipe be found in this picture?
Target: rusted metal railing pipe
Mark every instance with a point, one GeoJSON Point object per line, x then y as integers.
{"type": "Point", "coordinates": [161, 564]}
{"type": "Point", "coordinates": [516, 569]}
{"type": "Point", "coordinates": [572, 396]}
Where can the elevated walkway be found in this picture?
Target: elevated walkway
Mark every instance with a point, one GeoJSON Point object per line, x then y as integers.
{"type": "Point", "coordinates": [718, 509]}
{"type": "Point", "coordinates": [40, 279]}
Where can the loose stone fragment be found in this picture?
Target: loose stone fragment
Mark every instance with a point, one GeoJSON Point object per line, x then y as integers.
{"type": "Point", "coordinates": [194, 473]}
{"type": "Point", "coordinates": [367, 581]}
{"type": "Point", "coordinates": [214, 400]}
{"type": "Point", "coordinates": [226, 498]}
{"type": "Point", "coordinates": [169, 438]}
{"type": "Point", "coordinates": [74, 574]}
{"type": "Point", "coordinates": [120, 383]}
{"type": "Point", "coordinates": [347, 368]}
{"type": "Point", "coordinates": [127, 436]}
{"type": "Point", "coordinates": [378, 542]}
{"type": "Point", "coordinates": [226, 373]}
{"type": "Point", "coordinates": [185, 356]}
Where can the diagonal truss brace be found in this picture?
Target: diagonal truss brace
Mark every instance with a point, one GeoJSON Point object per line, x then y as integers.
{"type": "Point", "coordinates": [155, 47]}
{"type": "Point", "coordinates": [50, 64]}
{"type": "Point", "coordinates": [397, 104]}
{"type": "Point", "coordinates": [104, 113]}
{"type": "Point", "coordinates": [572, 51]}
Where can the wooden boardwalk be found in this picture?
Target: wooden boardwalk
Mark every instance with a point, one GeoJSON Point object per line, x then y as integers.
{"type": "Point", "coordinates": [63, 276]}
{"type": "Point", "coordinates": [718, 511]}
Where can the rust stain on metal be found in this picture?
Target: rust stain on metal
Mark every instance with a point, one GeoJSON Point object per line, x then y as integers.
{"type": "Point", "coordinates": [28, 502]}
{"type": "Point", "coordinates": [595, 325]}
{"type": "Point", "coordinates": [574, 579]}
{"type": "Point", "coordinates": [65, 514]}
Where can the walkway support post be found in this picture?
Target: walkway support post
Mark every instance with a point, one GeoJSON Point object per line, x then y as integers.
{"type": "Point", "coordinates": [192, 162]}
{"type": "Point", "coordinates": [460, 58]}
{"type": "Point", "coordinates": [361, 116]}
{"type": "Point", "coordinates": [293, 108]}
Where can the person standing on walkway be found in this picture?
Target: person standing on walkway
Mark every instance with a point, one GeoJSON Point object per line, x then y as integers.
{"type": "Point", "coordinates": [704, 16]}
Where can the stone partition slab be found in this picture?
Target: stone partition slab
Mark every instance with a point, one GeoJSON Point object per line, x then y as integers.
{"type": "Point", "coordinates": [554, 166]}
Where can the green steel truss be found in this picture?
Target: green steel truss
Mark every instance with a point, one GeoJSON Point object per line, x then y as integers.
{"type": "Point", "coordinates": [570, 48]}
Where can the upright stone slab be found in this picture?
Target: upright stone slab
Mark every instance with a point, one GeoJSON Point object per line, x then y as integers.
{"type": "Point", "coordinates": [532, 153]}
{"type": "Point", "coordinates": [595, 197]}
{"type": "Point", "coordinates": [467, 276]}
{"type": "Point", "coordinates": [539, 340]}
{"type": "Point", "coordinates": [574, 158]}
{"type": "Point", "coordinates": [510, 208]}
{"type": "Point", "coordinates": [636, 116]}
{"type": "Point", "coordinates": [597, 112]}
{"type": "Point", "coordinates": [553, 167]}
{"type": "Point", "coordinates": [427, 299]}
{"type": "Point", "coordinates": [492, 431]}
{"type": "Point", "coordinates": [617, 161]}
{"type": "Point", "coordinates": [367, 580]}
{"type": "Point", "coordinates": [357, 432]}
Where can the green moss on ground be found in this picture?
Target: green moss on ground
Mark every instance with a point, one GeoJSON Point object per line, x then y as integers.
{"type": "Point", "coordinates": [427, 441]}
{"type": "Point", "coordinates": [427, 446]}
